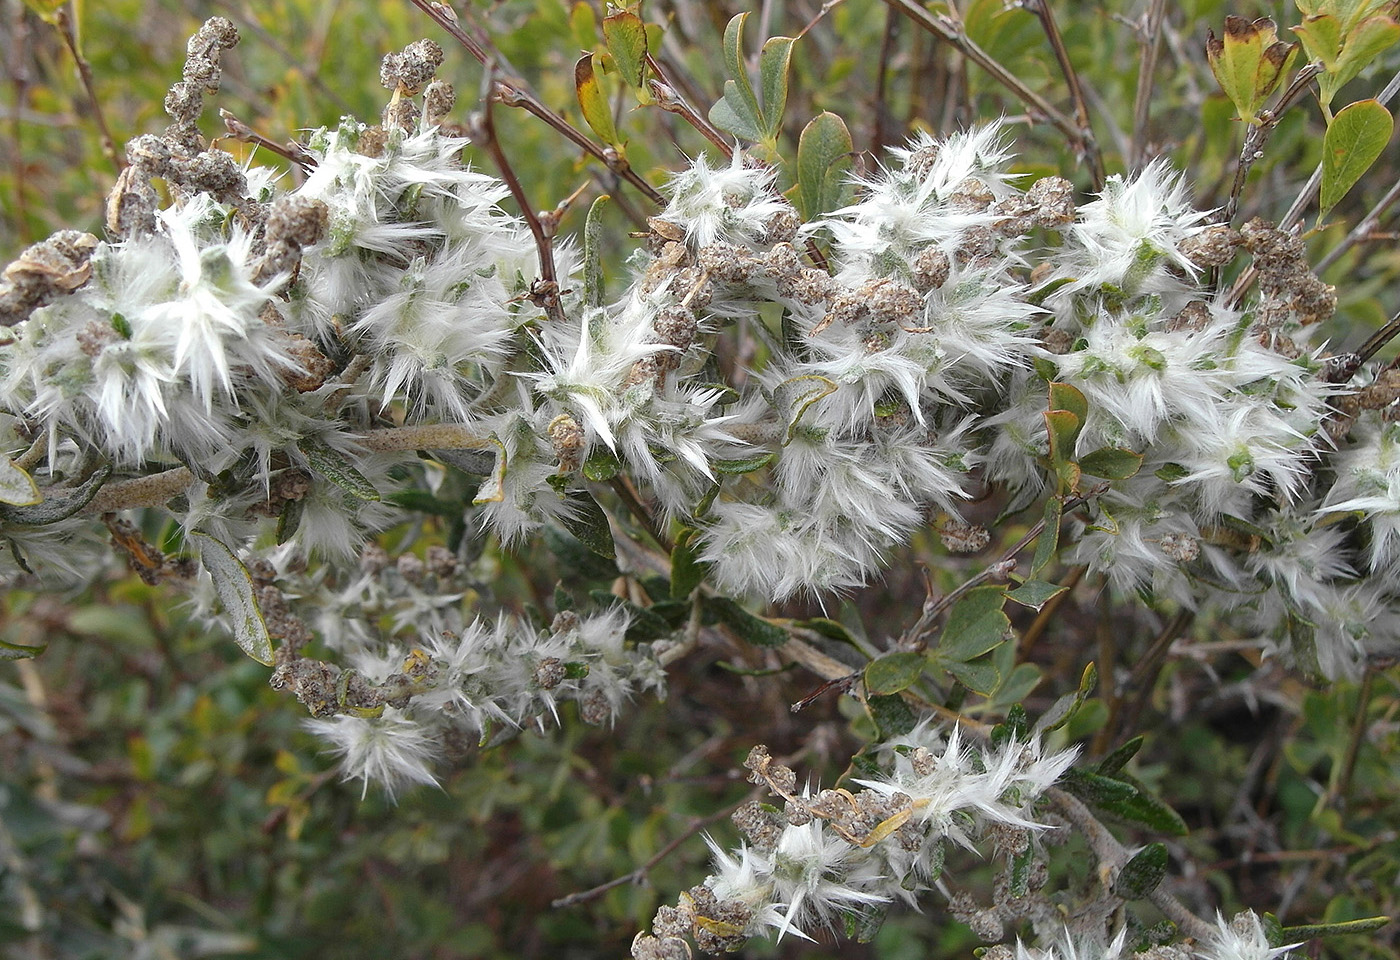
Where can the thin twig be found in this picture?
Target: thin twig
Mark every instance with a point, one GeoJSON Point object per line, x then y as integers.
{"type": "Point", "coordinates": [1112, 857]}
{"type": "Point", "coordinates": [1341, 786]}
{"type": "Point", "coordinates": [1300, 203]}
{"type": "Point", "coordinates": [544, 292]}
{"type": "Point", "coordinates": [19, 79]}
{"type": "Point", "coordinates": [1144, 678]}
{"type": "Point", "coordinates": [70, 39]}
{"type": "Point", "coordinates": [951, 31]}
{"type": "Point", "coordinates": [1051, 607]}
{"type": "Point", "coordinates": [513, 92]}
{"type": "Point", "coordinates": [291, 152]}
{"type": "Point", "coordinates": [1087, 143]}
{"type": "Point", "coordinates": [916, 637]}
{"type": "Point", "coordinates": [1362, 230]}
{"type": "Point", "coordinates": [879, 135]}
{"type": "Point", "coordinates": [1147, 74]}
{"type": "Point", "coordinates": [669, 98]}
{"type": "Point", "coordinates": [1257, 137]}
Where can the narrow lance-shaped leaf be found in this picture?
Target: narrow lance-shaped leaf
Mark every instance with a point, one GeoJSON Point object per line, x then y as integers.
{"type": "Point", "coordinates": [332, 465]}
{"type": "Point", "coordinates": [235, 589]}
{"type": "Point", "coordinates": [593, 280]}
{"type": "Point", "coordinates": [773, 81]}
{"type": "Point", "coordinates": [738, 90]}
{"type": "Point", "coordinates": [587, 521]}
{"type": "Point", "coordinates": [597, 112]}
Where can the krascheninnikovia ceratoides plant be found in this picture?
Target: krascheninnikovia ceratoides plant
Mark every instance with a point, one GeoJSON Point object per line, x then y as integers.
{"type": "Point", "coordinates": [258, 337]}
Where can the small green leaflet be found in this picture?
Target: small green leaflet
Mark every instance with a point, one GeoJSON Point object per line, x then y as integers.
{"type": "Point", "coordinates": [235, 590]}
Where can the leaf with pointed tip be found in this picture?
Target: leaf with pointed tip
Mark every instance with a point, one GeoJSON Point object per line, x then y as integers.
{"type": "Point", "coordinates": [1119, 758]}
{"type": "Point", "coordinates": [734, 468]}
{"type": "Point", "coordinates": [20, 651]}
{"type": "Point", "coordinates": [332, 465]}
{"type": "Point", "coordinates": [738, 90]}
{"type": "Point", "coordinates": [235, 590]}
{"type": "Point", "coordinates": [728, 114]}
{"type": "Point", "coordinates": [1111, 463]}
{"type": "Point", "coordinates": [687, 569]}
{"type": "Point", "coordinates": [588, 523]}
{"type": "Point", "coordinates": [1143, 873]}
{"type": "Point", "coordinates": [1064, 709]}
{"type": "Point", "coordinates": [1314, 931]}
{"type": "Point", "coordinates": [1066, 396]}
{"type": "Point", "coordinates": [1048, 543]}
{"type": "Point", "coordinates": [17, 487]}
{"type": "Point", "coordinates": [755, 630]}
{"type": "Point", "coordinates": [892, 715]}
{"type": "Point", "coordinates": [979, 676]}
{"type": "Point", "coordinates": [1034, 593]}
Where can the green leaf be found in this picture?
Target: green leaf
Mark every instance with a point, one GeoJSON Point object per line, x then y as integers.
{"type": "Point", "coordinates": [743, 465]}
{"type": "Point", "coordinates": [57, 505]}
{"type": "Point", "coordinates": [626, 37]}
{"type": "Point", "coordinates": [773, 62]}
{"type": "Point", "coordinates": [1048, 543]}
{"type": "Point", "coordinates": [755, 630]}
{"type": "Point", "coordinates": [687, 569]}
{"type": "Point", "coordinates": [17, 487]}
{"type": "Point", "coordinates": [975, 625]}
{"type": "Point", "coordinates": [332, 465]}
{"type": "Point", "coordinates": [1066, 396]}
{"type": "Point", "coordinates": [1249, 62]}
{"type": "Point", "coordinates": [597, 111]}
{"type": "Point", "coordinates": [1143, 873]}
{"type": "Point", "coordinates": [1314, 931]}
{"type": "Point", "coordinates": [1321, 37]}
{"type": "Point", "coordinates": [1063, 709]}
{"type": "Point", "coordinates": [793, 397]}
{"type": "Point", "coordinates": [1111, 463]}
{"type": "Point", "coordinates": [823, 162]}
{"type": "Point", "coordinates": [1354, 140]}
{"type": "Point", "coordinates": [235, 590]}
{"type": "Point", "coordinates": [289, 519]}
{"type": "Point", "coordinates": [733, 119]}
{"type": "Point", "coordinates": [979, 676]}
{"type": "Point", "coordinates": [1017, 685]}
{"type": "Point", "coordinates": [602, 465]}
{"type": "Point", "coordinates": [1119, 758]}
{"type": "Point", "coordinates": [894, 672]}
{"type": "Point", "coordinates": [492, 489]}
{"type": "Point", "coordinates": [1095, 789]}
{"type": "Point", "coordinates": [593, 279]}
{"type": "Point", "coordinates": [1063, 428]}
{"type": "Point", "coordinates": [1034, 593]}
{"type": "Point", "coordinates": [1144, 808]}
{"type": "Point", "coordinates": [20, 651]}
{"type": "Point", "coordinates": [1365, 41]}
{"type": "Point", "coordinates": [587, 522]}
{"type": "Point", "coordinates": [892, 715]}
{"type": "Point", "coordinates": [738, 91]}
{"type": "Point", "coordinates": [583, 24]}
